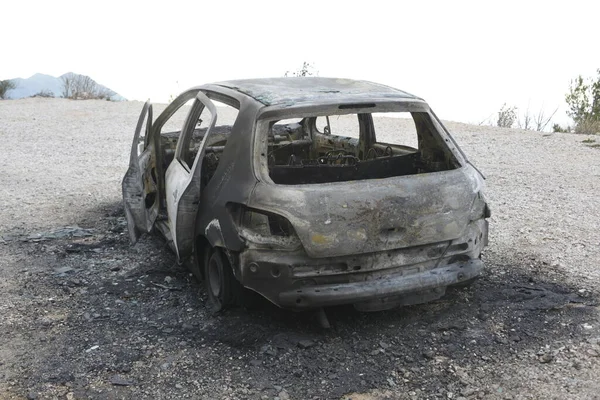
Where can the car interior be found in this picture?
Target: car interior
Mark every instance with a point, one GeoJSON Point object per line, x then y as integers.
{"type": "Point", "coordinates": [334, 148]}
{"type": "Point", "coordinates": [311, 150]}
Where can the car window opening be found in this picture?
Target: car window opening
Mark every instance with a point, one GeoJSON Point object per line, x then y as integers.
{"type": "Point", "coordinates": [217, 139]}
{"type": "Point", "coordinates": [338, 148]}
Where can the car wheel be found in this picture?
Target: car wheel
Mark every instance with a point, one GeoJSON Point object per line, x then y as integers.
{"type": "Point", "coordinates": [221, 286]}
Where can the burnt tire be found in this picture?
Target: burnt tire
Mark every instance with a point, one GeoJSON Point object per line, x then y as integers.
{"type": "Point", "coordinates": [222, 288]}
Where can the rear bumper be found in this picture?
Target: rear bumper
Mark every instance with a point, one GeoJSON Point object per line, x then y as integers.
{"type": "Point", "coordinates": [356, 292]}
{"type": "Point", "coordinates": [370, 281]}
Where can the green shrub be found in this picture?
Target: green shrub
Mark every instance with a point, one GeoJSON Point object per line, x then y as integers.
{"type": "Point", "coordinates": [559, 129]}
{"type": "Point", "coordinates": [583, 100]}
{"type": "Point", "coordinates": [5, 86]}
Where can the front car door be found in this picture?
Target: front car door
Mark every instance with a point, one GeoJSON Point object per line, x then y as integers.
{"type": "Point", "coordinates": [140, 197]}
{"type": "Point", "coordinates": [183, 176]}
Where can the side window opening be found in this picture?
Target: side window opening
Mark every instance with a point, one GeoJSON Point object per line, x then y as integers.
{"type": "Point", "coordinates": [339, 125]}
{"type": "Point", "coordinates": [397, 130]}
{"type": "Point", "coordinates": [337, 148]}
{"type": "Point", "coordinates": [199, 122]}
{"type": "Point", "coordinates": [217, 139]}
{"type": "Point", "coordinates": [171, 130]}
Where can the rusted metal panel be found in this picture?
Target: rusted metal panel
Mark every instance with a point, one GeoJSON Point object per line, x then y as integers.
{"type": "Point", "coordinates": [346, 218]}
{"type": "Point", "coordinates": [369, 240]}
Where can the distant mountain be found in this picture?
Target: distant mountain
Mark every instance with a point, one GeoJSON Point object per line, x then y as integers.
{"type": "Point", "coordinates": [42, 82]}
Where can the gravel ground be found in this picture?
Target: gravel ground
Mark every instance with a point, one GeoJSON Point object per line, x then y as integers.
{"type": "Point", "coordinates": [84, 315]}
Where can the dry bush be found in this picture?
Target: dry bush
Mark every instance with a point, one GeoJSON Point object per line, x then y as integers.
{"type": "Point", "coordinates": [44, 93]}
{"type": "Point", "coordinates": [81, 87]}
{"type": "Point", "coordinates": [507, 116]}
{"type": "Point", "coordinates": [537, 122]}
{"type": "Point", "coordinates": [541, 121]}
{"type": "Point", "coordinates": [588, 126]}
{"type": "Point", "coordinates": [307, 69]}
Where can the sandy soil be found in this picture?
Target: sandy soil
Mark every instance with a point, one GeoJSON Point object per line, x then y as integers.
{"type": "Point", "coordinates": [83, 317]}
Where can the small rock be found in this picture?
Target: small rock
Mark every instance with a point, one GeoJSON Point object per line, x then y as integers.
{"type": "Point", "coordinates": [62, 270]}
{"type": "Point", "coordinates": [268, 350]}
{"type": "Point", "coordinates": [515, 338]}
{"type": "Point", "coordinates": [592, 352]}
{"type": "Point", "coordinates": [283, 395]}
{"type": "Point", "coordinates": [501, 340]}
{"type": "Point", "coordinates": [32, 396]}
{"type": "Point", "coordinates": [178, 386]}
{"type": "Point", "coordinates": [168, 279]}
{"type": "Point", "coordinates": [118, 380]}
{"type": "Point", "coordinates": [546, 358]}
{"type": "Point", "coordinates": [256, 363]}
{"type": "Point", "coordinates": [115, 268]}
{"type": "Point", "coordinates": [429, 354]}
{"type": "Point", "coordinates": [305, 343]}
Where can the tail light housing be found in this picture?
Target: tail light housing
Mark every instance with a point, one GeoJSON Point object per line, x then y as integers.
{"type": "Point", "coordinates": [267, 230]}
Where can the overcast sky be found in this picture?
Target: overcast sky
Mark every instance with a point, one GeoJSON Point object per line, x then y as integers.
{"type": "Point", "coordinates": [465, 58]}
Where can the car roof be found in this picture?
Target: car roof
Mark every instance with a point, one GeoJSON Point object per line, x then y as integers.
{"type": "Point", "coordinates": [292, 91]}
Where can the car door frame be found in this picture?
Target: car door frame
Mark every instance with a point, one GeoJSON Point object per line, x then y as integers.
{"type": "Point", "coordinates": [139, 186]}
{"type": "Point", "coordinates": [183, 182]}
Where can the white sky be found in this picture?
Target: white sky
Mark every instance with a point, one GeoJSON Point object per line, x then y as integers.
{"type": "Point", "coordinates": [466, 58]}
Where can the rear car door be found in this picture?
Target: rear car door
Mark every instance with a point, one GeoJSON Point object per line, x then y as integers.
{"type": "Point", "coordinates": [139, 186]}
{"type": "Point", "coordinates": [183, 176]}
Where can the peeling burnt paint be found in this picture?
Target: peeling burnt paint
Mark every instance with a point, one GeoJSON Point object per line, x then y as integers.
{"type": "Point", "coordinates": [368, 225]}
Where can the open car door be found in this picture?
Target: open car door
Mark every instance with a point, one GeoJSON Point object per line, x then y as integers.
{"type": "Point", "coordinates": [183, 176]}
{"type": "Point", "coordinates": [140, 197]}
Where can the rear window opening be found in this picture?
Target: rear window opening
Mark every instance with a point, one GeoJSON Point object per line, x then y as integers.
{"type": "Point", "coordinates": [349, 147]}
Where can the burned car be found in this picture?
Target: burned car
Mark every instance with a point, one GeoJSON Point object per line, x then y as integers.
{"type": "Point", "coordinates": [300, 189]}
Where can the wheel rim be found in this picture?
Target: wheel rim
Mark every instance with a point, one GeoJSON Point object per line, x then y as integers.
{"type": "Point", "coordinates": [214, 277]}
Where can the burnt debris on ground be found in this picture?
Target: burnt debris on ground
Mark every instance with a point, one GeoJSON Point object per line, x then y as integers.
{"type": "Point", "coordinates": [106, 320]}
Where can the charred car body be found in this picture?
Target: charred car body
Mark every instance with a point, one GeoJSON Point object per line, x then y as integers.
{"type": "Point", "coordinates": [306, 196]}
